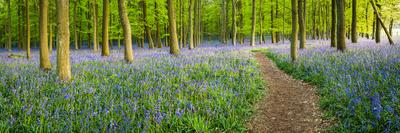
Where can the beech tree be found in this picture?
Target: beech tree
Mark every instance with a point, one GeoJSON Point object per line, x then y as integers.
{"type": "Point", "coordinates": [44, 54]}
{"type": "Point", "coordinates": [63, 34]}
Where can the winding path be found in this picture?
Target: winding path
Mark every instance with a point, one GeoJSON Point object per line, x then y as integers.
{"type": "Point", "coordinates": [289, 106]}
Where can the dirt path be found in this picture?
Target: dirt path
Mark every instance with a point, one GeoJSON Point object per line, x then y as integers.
{"type": "Point", "coordinates": [289, 106]}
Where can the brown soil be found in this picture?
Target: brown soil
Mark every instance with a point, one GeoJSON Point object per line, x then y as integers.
{"type": "Point", "coordinates": [289, 106]}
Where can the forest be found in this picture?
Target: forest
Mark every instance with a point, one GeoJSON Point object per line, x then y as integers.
{"type": "Point", "coordinates": [199, 66]}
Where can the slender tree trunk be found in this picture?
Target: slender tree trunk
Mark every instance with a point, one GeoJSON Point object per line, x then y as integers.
{"type": "Point", "coordinates": [174, 48]}
{"type": "Point", "coordinates": [241, 21]}
{"type": "Point", "coordinates": [147, 27]}
{"type": "Point", "coordinates": [273, 36]}
{"type": "Point", "coordinates": [28, 30]}
{"type": "Point", "coordinates": [9, 34]}
{"type": "Point", "coordinates": [377, 25]}
{"type": "Point", "coordinates": [51, 37]}
{"type": "Point", "coordinates": [333, 28]}
{"type": "Point", "coordinates": [373, 28]}
{"type": "Point", "coordinates": [226, 21]}
{"type": "Point", "coordinates": [261, 22]}
{"type": "Point", "coordinates": [181, 23]}
{"type": "Point", "coordinates": [391, 26]}
{"type": "Point", "coordinates": [63, 35]}
{"type": "Point", "coordinates": [234, 22]}
{"type": "Point", "coordinates": [158, 32]}
{"type": "Point", "coordinates": [302, 25]}
{"type": "Point", "coordinates": [366, 20]}
{"type": "Point", "coordinates": [76, 24]}
{"type": "Point", "coordinates": [127, 31]}
{"type": "Point", "coordinates": [89, 40]}
{"type": "Point", "coordinates": [191, 24]}
{"type": "Point", "coordinates": [277, 39]}
{"type": "Point", "coordinates": [105, 47]}
{"type": "Point", "coordinates": [44, 53]}
{"type": "Point", "coordinates": [341, 28]}
{"type": "Point", "coordinates": [293, 46]}
{"type": "Point", "coordinates": [253, 24]}
{"type": "Point", "coordinates": [354, 22]}
{"type": "Point", "coordinates": [95, 42]}
{"type": "Point", "coordinates": [19, 26]}
{"type": "Point", "coordinates": [378, 16]}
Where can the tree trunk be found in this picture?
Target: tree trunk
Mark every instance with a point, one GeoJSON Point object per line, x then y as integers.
{"type": "Point", "coordinates": [333, 28]}
{"type": "Point", "coordinates": [28, 31]}
{"type": "Point", "coordinates": [378, 16]}
{"type": "Point", "coordinates": [19, 26]}
{"type": "Point", "coordinates": [63, 35]}
{"type": "Point", "coordinates": [302, 25]}
{"type": "Point", "coordinates": [174, 47]}
{"type": "Point", "coordinates": [95, 42]}
{"type": "Point", "coordinates": [147, 27]}
{"type": "Point", "coordinates": [391, 26]}
{"type": "Point", "coordinates": [9, 34]}
{"type": "Point", "coordinates": [89, 40]}
{"type": "Point", "coordinates": [273, 39]}
{"type": "Point", "coordinates": [126, 27]}
{"type": "Point", "coordinates": [341, 27]}
{"type": "Point", "coordinates": [354, 22]}
{"type": "Point", "coordinates": [158, 32]}
{"type": "Point", "coordinates": [293, 45]}
{"type": "Point", "coordinates": [105, 47]}
{"type": "Point", "coordinates": [191, 24]}
{"type": "Point", "coordinates": [75, 24]}
{"type": "Point", "coordinates": [234, 22]}
{"type": "Point", "coordinates": [377, 25]}
{"type": "Point", "coordinates": [253, 23]}
{"type": "Point", "coordinates": [44, 53]}
{"type": "Point", "coordinates": [261, 22]}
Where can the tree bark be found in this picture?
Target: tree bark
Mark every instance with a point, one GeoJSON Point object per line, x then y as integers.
{"type": "Point", "coordinates": [126, 27]}
{"type": "Point", "coordinates": [174, 47]}
{"type": "Point", "coordinates": [44, 53]}
{"type": "Point", "coordinates": [95, 15]}
{"type": "Point", "coordinates": [75, 24]}
{"type": "Point", "coordinates": [354, 34]}
{"type": "Point", "coordinates": [377, 24]}
{"type": "Point", "coordinates": [63, 35]}
{"type": "Point", "coordinates": [234, 22]}
{"type": "Point", "coordinates": [273, 36]}
{"type": "Point", "coordinates": [147, 27]}
{"type": "Point", "coordinates": [293, 45]}
{"type": "Point", "coordinates": [261, 22]}
{"type": "Point", "coordinates": [158, 32]}
{"type": "Point", "coordinates": [341, 27]}
{"type": "Point", "coordinates": [106, 11]}
{"type": "Point", "coordinates": [9, 34]}
{"type": "Point", "coordinates": [302, 25]}
{"type": "Point", "coordinates": [378, 16]}
{"type": "Point", "coordinates": [253, 24]}
{"type": "Point", "coordinates": [334, 24]}
{"type": "Point", "coordinates": [28, 31]}
{"type": "Point", "coordinates": [191, 24]}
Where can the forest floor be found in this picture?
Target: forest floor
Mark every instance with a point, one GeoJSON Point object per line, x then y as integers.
{"type": "Point", "coordinates": [289, 106]}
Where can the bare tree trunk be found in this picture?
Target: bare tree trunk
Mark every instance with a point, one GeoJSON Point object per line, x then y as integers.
{"type": "Point", "coordinates": [44, 53]}
{"type": "Point", "coordinates": [293, 46]}
{"type": "Point", "coordinates": [63, 59]}
{"type": "Point", "coordinates": [234, 22]}
{"type": "Point", "coordinates": [333, 28]}
{"type": "Point", "coordinates": [105, 48]}
{"type": "Point", "coordinates": [253, 24]}
{"type": "Point", "coordinates": [354, 35]}
{"type": "Point", "coordinates": [174, 48]}
{"type": "Point", "coordinates": [191, 24]}
{"type": "Point", "coordinates": [341, 28]}
{"type": "Point", "coordinates": [302, 25]}
{"type": "Point", "coordinates": [273, 36]}
{"type": "Point", "coordinates": [28, 30]}
{"type": "Point", "coordinates": [75, 24]}
{"type": "Point", "coordinates": [261, 22]}
{"type": "Point", "coordinates": [9, 34]}
{"type": "Point", "coordinates": [95, 42]}
{"type": "Point", "coordinates": [147, 27]}
{"type": "Point", "coordinates": [127, 31]}
{"type": "Point", "coordinates": [378, 16]}
{"type": "Point", "coordinates": [158, 32]}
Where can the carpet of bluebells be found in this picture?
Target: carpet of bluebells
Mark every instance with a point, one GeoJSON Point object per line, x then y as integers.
{"type": "Point", "coordinates": [361, 87]}
{"type": "Point", "coordinates": [209, 89]}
